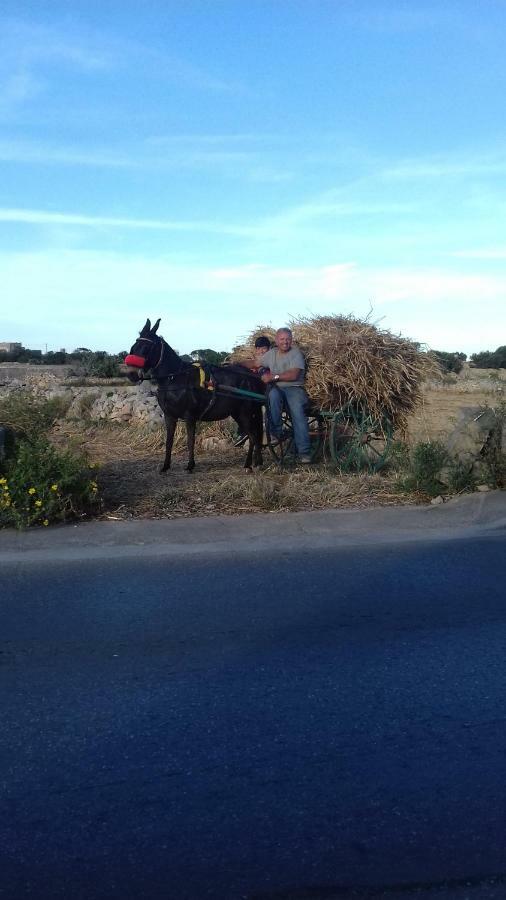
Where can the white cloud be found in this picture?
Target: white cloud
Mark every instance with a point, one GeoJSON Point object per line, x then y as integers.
{"type": "Point", "coordinates": [435, 286]}
{"type": "Point", "coordinates": [328, 206]}
{"type": "Point", "coordinates": [230, 161]}
{"type": "Point", "coordinates": [41, 217]}
{"type": "Point", "coordinates": [28, 44]}
{"type": "Point", "coordinates": [98, 299]}
{"type": "Point", "coordinates": [498, 253]}
{"type": "Point", "coordinates": [41, 153]}
{"type": "Point", "coordinates": [34, 56]}
{"type": "Point", "coordinates": [463, 165]}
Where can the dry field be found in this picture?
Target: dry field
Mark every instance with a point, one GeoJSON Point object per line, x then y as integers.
{"type": "Point", "coordinates": [443, 402]}
{"type": "Point", "coordinates": [128, 461]}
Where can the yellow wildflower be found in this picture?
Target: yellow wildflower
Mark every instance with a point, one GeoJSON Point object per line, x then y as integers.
{"type": "Point", "coordinates": [32, 491]}
{"type": "Point", "coordinates": [3, 481]}
{"type": "Point", "coordinates": [54, 487]}
{"type": "Point", "coordinates": [38, 503]}
{"type": "Point", "coordinates": [46, 522]}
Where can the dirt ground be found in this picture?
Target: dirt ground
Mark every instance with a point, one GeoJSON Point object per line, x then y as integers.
{"type": "Point", "coordinates": [131, 485]}
{"type": "Point", "coordinates": [128, 461]}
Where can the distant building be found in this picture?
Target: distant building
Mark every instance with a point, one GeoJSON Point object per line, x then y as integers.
{"type": "Point", "coordinates": [10, 346]}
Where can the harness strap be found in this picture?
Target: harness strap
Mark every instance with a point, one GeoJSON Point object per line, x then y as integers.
{"type": "Point", "coordinates": [206, 379]}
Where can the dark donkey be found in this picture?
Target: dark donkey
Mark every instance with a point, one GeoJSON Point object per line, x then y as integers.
{"type": "Point", "coordinates": [181, 396]}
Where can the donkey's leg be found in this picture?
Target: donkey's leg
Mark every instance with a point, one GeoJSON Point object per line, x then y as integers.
{"type": "Point", "coordinates": [190, 438]}
{"type": "Point", "coordinates": [252, 425]}
{"type": "Point", "coordinates": [170, 425]}
{"type": "Point", "coordinates": [244, 425]}
{"type": "Point", "coordinates": [257, 452]}
{"type": "Point", "coordinates": [258, 425]}
{"type": "Point", "coordinates": [254, 455]}
{"type": "Point", "coordinates": [254, 428]}
{"type": "Point", "coordinates": [249, 455]}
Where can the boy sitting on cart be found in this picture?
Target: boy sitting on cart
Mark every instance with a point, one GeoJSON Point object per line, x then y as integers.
{"type": "Point", "coordinates": [284, 372]}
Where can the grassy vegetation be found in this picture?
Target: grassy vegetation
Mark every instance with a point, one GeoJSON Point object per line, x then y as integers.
{"type": "Point", "coordinates": [494, 456]}
{"type": "Point", "coordinates": [48, 478]}
{"type": "Point", "coordinates": [420, 468]}
{"type": "Point", "coordinates": [40, 484]}
{"type": "Point", "coordinates": [30, 416]}
{"type": "Point", "coordinates": [271, 490]}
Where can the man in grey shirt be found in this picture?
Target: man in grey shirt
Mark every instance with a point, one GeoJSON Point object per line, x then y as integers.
{"type": "Point", "coordinates": [286, 377]}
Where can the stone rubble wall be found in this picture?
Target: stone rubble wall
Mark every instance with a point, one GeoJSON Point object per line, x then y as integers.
{"type": "Point", "coordinates": [126, 403]}
{"type": "Point", "coordinates": [132, 404]}
{"type": "Point", "coordinates": [21, 372]}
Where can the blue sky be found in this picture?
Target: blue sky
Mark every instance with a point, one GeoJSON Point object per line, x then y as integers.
{"type": "Point", "coordinates": [221, 164]}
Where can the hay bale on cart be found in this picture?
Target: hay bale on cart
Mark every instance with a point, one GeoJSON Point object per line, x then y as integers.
{"type": "Point", "coordinates": [363, 382]}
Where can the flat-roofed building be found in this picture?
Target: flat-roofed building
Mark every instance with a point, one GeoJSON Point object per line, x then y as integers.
{"type": "Point", "coordinates": [10, 346]}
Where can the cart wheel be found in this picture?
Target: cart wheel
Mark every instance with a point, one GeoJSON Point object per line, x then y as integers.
{"type": "Point", "coordinates": [359, 441]}
{"type": "Point", "coordinates": [285, 451]}
{"type": "Point", "coordinates": [282, 450]}
{"type": "Point", "coordinates": [316, 434]}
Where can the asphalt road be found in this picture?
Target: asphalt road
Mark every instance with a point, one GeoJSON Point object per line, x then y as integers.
{"type": "Point", "coordinates": [311, 724]}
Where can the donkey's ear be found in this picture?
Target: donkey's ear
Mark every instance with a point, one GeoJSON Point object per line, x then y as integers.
{"type": "Point", "coordinates": [147, 327]}
{"type": "Point", "coordinates": [155, 327]}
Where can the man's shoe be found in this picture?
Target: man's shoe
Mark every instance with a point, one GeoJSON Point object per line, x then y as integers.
{"type": "Point", "coordinates": [305, 460]}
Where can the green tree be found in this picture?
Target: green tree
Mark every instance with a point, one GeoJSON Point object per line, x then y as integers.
{"type": "Point", "coordinates": [101, 364]}
{"type": "Point", "coordinates": [55, 357]}
{"type": "Point", "coordinates": [450, 362]}
{"type": "Point", "coordinates": [490, 360]}
{"type": "Point", "coordinates": [213, 357]}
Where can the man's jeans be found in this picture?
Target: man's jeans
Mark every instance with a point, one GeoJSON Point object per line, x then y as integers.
{"type": "Point", "coordinates": [296, 400]}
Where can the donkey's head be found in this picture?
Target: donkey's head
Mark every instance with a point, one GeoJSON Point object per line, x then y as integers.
{"type": "Point", "coordinates": [145, 353]}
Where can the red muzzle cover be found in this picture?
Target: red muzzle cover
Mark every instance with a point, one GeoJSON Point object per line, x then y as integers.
{"type": "Point", "coordinates": [132, 360]}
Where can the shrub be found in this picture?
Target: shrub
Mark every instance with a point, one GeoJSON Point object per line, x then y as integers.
{"type": "Point", "coordinates": [40, 484]}
{"type": "Point", "coordinates": [398, 457]}
{"type": "Point", "coordinates": [101, 365]}
{"type": "Point", "coordinates": [450, 362]}
{"type": "Point", "coordinates": [460, 477]}
{"type": "Point", "coordinates": [32, 417]}
{"type": "Point", "coordinates": [85, 403]}
{"type": "Point", "coordinates": [494, 452]}
{"type": "Point", "coordinates": [423, 467]}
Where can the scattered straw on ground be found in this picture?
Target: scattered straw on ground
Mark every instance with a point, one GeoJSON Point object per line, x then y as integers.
{"type": "Point", "coordinates": [130, 484]}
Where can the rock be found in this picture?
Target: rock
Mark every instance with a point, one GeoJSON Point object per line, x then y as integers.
{"type": "Point", "coordinates": [467, 443]}
{"type": "Point", "coordinates": [436, 501]}
{"type": "Point", "coordinates": [483, 488]}
{"type": "Point", "coordinates": [145, 387]}
{"type": "Point", "coordinates": [471, 434]}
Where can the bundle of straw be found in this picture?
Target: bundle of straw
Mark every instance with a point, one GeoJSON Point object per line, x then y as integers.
{"type": "Point", "coordinates": [353, 361]}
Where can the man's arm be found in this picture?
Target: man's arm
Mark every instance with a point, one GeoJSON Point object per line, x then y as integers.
{"type": "Point", "coordinates": [289, 375]}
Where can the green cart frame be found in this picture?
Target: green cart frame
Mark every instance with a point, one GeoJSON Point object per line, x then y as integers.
{"type": "Point", "coordinates": [355, 440]}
